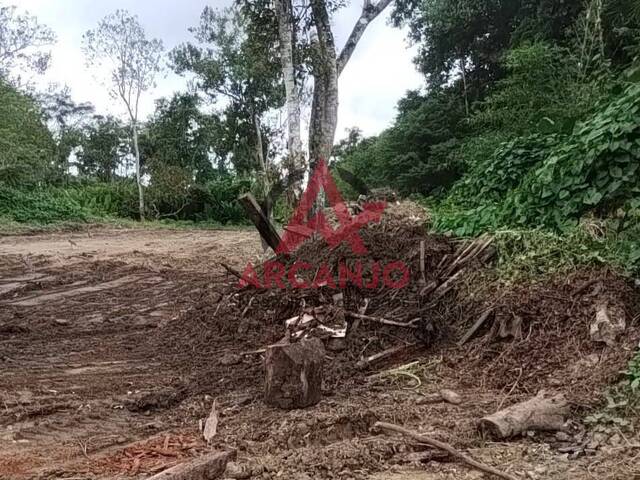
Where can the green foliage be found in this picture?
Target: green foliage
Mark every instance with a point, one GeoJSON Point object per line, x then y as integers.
{"type": "Point", "coordinates": [217, 200]}
{"type": "Point", "coordinates": [544, 91]}
{"type": "Point", "coordinates": [417, 154]}
{"type": "Point", "coordinates": [551, 180]}
{"type": "Point", "coordinates": [238, 69]}
{"type": "Point", "coordinates": [531, 253]}
{"type": "Point", "coordinates": [493, 177]}
{"type": "Point", "coordinates": [479, 30]}
{"type": "Point", "coordinates": [180, 135]}
{"type": "Point", "coordinates": [633, 374]}
{"type": "Point", "coordinates": [103, 146]}
{"type": "Point", "coordinates": [39, 206]}
{"type": "Point", "coordinates": [113, 199]}
{"type": "Point", "coordinates": [595, 169]}
{"type": "Point", "coordinates": [26, 146]}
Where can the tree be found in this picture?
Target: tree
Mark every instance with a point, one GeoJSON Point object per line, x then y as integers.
{"type": "Point", "coordinates": [296, 21]}
{"type": "Point", "coordinates": [238, 72]}
{"type": "Point", "coordinates": [179, 135]}
{"type": "Point", "coordinates": [21, 41]}
{"type": "Point", "coordinates": [121, 45]}
{"type": "Point", "coordinates": [235, 66]}
{"type": "Point", "coordinates": [103, 147]}
{"type": "Point", "coordinates": [470, 36]}
{"type": "Point", "coordinates": [65, 118]}
{"type": "Point", "coordinates": [26, 145]}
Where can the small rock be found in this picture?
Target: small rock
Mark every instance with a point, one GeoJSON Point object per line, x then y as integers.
{"type": "Point", "coordinates": [615, 440]}
{"type": "Point", "coordinates": [563, 437]}
{"type": "Point", "coordinates": [62, 321]}
{"type": "Point", "coordinates": [236, 471]}
{"type": "Point", "coordinates": [608, 325]}
{"type": "Point", "coordinates": [229, 359]}
{"type": "Point", "coordinates": [450, 396]}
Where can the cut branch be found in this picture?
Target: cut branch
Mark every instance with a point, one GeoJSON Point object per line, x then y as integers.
{"type": "Point", "coordinates": [446, 447]}
{"type": "Point", "coordinates": [383, 321]}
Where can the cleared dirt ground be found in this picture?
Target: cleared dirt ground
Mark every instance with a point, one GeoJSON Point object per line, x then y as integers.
{"type": "Point", "coordinates": [88, 388]}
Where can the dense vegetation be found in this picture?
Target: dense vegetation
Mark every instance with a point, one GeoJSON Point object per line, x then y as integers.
{"type": "Point", "coordinates": [531, 122]}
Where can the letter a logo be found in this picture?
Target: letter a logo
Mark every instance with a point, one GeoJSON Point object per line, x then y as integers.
{"type": "Point", "coordinates": [302, 227]}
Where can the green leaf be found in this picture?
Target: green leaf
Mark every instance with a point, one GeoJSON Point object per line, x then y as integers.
{"type": "Point", "coordinates": [592, 197]}
{"type": "Point", "coordinates": [615, 172]}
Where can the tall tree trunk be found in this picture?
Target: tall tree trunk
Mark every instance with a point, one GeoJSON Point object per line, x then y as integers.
{"type": "Point", "coordinates": [324, 109]}
{"type": "Point", "coordinates": [327, 67]}
{"type": "Point", "coordinates": [136, 149]}
{"type": "Point", "coordinates": [295, 161]}
{"type": "Point", "coordinates": [464, 85]}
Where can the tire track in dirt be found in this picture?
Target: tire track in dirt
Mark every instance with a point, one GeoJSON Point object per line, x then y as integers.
{"type": "Point", "coordinates": [76, 312]}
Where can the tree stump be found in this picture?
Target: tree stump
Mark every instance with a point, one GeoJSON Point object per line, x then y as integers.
{"type": "Point", "coordinates": [544, 412]}
{"type": "Point", "coordinates": [294, 374]}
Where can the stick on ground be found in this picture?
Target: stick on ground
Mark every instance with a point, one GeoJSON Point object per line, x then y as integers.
{"type": "Point", "coordinates": [444, 446]}
{"type": "Point", "coordinates": [383, 321]}
{"type": "Point", "coordinates": [231, 270]}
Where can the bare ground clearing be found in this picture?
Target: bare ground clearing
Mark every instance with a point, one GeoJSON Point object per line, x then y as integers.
{"type": "Point", "coordinates": [88, 388]}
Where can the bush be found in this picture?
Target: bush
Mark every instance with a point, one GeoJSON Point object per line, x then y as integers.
{"type": "Point", "coordinates": [116, 199]}
{"type": "Point", "coordinates": [40, 206]}
{"type": "Point", "coordinates": [552, 180]}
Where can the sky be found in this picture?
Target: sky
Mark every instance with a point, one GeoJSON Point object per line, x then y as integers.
{"type": "Point", "coordinates": [378, 75]}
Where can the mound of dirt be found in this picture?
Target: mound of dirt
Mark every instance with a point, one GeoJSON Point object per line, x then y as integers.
{"type": "Point", "coordinates": [535, 336]}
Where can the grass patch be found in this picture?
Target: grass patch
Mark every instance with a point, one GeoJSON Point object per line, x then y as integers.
{"type": "Point", "coordinates": [10, 227]}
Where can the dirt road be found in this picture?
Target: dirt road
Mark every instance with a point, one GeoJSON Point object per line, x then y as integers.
{"type": "Point", "coordinates": [75, 310]}
{"type": "Point", "coordinates": [90, 388]}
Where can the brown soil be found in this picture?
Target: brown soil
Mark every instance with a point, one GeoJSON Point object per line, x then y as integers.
{"type": "Point", "coordinates": [114, 344]}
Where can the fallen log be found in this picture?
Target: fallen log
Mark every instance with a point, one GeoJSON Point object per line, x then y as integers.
{"type": "Point", "coordinates": [444, 446]}
{"type": "Point", "coordinates": [544, 412]}
{"type": "Point", "coordinates": [207, 467]}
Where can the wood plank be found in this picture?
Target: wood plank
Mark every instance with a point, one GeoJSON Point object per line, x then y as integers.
{"type": "Point", "coordinates": [265, 227]}
{"type": "Point", "coordinates": [207, 467]}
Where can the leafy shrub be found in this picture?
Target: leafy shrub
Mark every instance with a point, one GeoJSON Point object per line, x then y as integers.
{"type": "Point", "coordinates": [552, 180]}
{"type": "Point", "coordinates": [597, 168]}
{"type": "Point", "coordinates": [217, 201]}
{"type": "Point", "coordinates": [114, 199]}
{"type": "Point", "coordinates": [545, 89]}
{"type": "Point", "coordinates": [493, 177]}
{"type": "Point", "coordinates": [39, 206]}
{"type": "Point", "coordinates": [633, 373]}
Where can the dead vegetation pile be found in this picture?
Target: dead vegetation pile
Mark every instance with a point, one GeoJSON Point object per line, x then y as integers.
{"type": "Point", "coordinates": [538, 334]}
{"type": "Point", "coordinates": [519, 338]}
